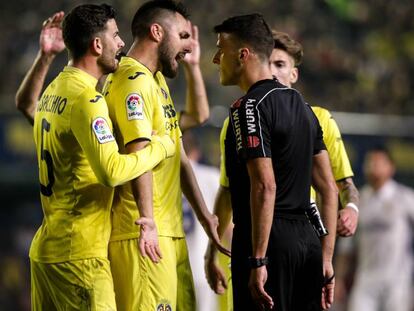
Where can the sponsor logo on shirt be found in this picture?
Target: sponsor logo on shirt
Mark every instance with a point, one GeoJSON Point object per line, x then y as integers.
{"type": "Point", "coordinates": [96, 99]}
{"type": "Point", "coordinates": [135, 107]}
{"type": "Point", "coordinates": [237, 129]}
{"type": "Point", "coordinates": [169, 111]}
{"type": "Point", "coordinates": [102, 132]}
{"type": "Point", "coordinates": [250, 118]}
{"type": "Point", "coordinates": [136, 75]}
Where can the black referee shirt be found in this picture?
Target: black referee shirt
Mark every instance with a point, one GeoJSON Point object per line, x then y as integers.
{"type": "Point", "coordinates": [271, 121]}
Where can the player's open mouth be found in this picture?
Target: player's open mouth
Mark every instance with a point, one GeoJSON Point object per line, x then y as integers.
{"type": "Point", "coordinates": [119, 55]}
{"type": "Point", "coordinates": [180, 56]}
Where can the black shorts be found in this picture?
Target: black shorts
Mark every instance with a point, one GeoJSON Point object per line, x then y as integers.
{"type": "Point", "coordinates": [295, 276]}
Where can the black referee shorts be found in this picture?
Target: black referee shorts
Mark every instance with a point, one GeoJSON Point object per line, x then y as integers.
{"type": "Point", "coordinates": [295, 276]}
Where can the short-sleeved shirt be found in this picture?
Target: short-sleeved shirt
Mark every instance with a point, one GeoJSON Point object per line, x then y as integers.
{"type": "Point", "coordinates": [341, 167]}
{"type": "Point", "coordinates": [76, 153]}
{"type": "Point", "coordinates": [139, 103]}
{"type": "Point", "coordinates": [271, 121]}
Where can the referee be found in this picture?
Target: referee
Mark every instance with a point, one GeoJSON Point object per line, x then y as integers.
{"type": "Point", "coordinates": [273, 148]}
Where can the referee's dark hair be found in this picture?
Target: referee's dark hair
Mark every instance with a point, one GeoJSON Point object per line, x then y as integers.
{"type": "Point", "coordinates": [252, 30]}
{"type": "Point", "coordinates": [82, 24]}
{"type": "Point", "coordinates": [154, 12]}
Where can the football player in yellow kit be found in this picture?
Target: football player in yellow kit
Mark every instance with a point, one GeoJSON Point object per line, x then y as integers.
{"type": "Point", "coordinates": [79, 164]}
{"type": "Point", "coordinates": [139, 102]}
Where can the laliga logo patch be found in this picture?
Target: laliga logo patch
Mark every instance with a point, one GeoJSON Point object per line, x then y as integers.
{"type": "Point", "coordinates": [135, 107]}
{"type": "Point", "coordinates": [102, 132]}
{"type": "Point", "coordinates": [164, 307]}
{"type": "Point", "coordinates": [252, 141]}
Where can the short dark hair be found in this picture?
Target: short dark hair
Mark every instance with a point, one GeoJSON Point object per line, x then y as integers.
{"type": "Point", "coordinates": [82, 24]}
{"type": "Point", "coordinates": [284, 42]}
{"type": "Point", "coordinates": [250, 29]}
{"type": "Point", "coordinates": [152, 11]}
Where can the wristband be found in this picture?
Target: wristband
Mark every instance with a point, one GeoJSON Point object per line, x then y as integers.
{"type": "Point", "coordinates": [353, 206]}
{"type": "Point", "coordinates": [258, 262]}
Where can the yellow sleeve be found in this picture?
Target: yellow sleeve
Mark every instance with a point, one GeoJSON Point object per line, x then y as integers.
{"type": "Point", "coordinates": [134, 111]}
{"type": "Point", "coordinates": [93, 130]}
{"type": "Point", "coordinates": [224, 180]}
{"type": "Point", "coordinates": [332, 138]}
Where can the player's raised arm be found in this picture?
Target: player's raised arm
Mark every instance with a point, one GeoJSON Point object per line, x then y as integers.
{"type": "Point", "coordinates": [196, 110]}
{"type": "Point", "coordinates": [50, 44]}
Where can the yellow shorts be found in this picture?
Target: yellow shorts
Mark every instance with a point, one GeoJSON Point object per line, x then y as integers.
{"type": "Point", "coordinates": [73, 285]}
{"type": "Point", "coordinates": [142, 285]}
{"type": "Point", "coordinates": [225, 301]}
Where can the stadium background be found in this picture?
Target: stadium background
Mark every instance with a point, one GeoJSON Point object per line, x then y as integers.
{"type": "Point", "coordinates": [359, 63]}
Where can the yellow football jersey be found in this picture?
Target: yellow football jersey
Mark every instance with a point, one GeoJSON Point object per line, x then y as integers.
{"type": "Point", "coordinates": [77, 154]}
{"type": "Point", "coordinates": [139, 103]}
{"type": "Point", "coordinates": [224, 180]}
{"type": "Point", "coordinates": [341, 168]}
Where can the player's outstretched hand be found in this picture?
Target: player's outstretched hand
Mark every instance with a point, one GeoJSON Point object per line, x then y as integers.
{"type": "Point", "coordinates": [210, 226]}
{"type": "Point", "coordinates": [215, 276]}
{"type": "Point", "coordinates": [148, 239]}
{"type": "Point", "coordinates": [51, 38]}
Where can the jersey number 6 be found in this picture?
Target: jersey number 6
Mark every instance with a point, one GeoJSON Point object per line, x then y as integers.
{"type": "Point", "coordinates": [46, 156]}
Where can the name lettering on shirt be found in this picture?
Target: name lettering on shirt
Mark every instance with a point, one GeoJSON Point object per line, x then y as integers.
{"type": "Point", "coordinates": [52, 103]}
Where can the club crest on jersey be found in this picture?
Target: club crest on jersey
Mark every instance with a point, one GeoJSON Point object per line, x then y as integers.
{"type": "Point", "coordinates": [164, 307]}
{"type": "Point", "coordinates": [135, 107]}
{"type": "Point", "coordinates": [164, 93]}
{"type": "Point", "coordinates": [102, 131]}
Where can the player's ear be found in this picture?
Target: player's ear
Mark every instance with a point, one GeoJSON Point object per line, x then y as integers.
{"type": "Point", "coordinates": [243, 54]}
{"type": "Point", "coordinates": [96, 46]}
{"type": "Point", "coordinates": [157, 32]}
{"type": "Point", "coordinates": [294, 75]}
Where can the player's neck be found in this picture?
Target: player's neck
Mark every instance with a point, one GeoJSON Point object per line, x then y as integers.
{"type": "Point", "coordinates": [146, 54]}
{"type": "Point", "coordinates": [89, 65]}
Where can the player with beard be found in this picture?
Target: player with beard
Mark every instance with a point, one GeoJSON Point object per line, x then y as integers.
{"type": "Point", "coordinates": [139, 103]}
{"type": "Point", "coordinates": [78, 162]}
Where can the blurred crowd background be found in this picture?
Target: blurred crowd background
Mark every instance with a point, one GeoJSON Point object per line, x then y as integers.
{"type": "Point", "coordinates": [358, 63]}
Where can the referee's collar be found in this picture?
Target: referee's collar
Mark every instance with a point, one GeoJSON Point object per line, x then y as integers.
{"type": "Point", "coordinates": [261, 82]}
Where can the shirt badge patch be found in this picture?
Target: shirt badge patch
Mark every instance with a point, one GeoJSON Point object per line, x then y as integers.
{"type": "Point", "coordinates": [237, 103]}
{"type": "Point", "coordinates": [164, 93]}
{"type": "Point", "coordinates": [135, 107]}
{"type": "Point", "coordinates": [252, 141]}
{"type": "Point", "coordinates": [102, 132]}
